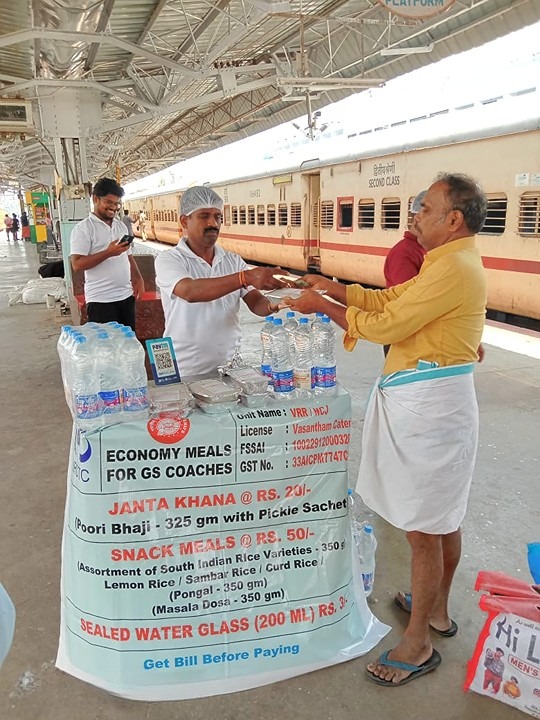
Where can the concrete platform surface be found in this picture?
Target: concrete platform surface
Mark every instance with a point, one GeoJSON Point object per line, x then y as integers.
{"type": "Point", "coordinates": [35, 433]}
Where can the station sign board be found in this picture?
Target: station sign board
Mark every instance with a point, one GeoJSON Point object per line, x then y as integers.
{"type": "Point", "coordinates": [416, 9]}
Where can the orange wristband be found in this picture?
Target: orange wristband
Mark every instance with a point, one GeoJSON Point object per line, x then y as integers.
{"type": "Point", "coordinates": [242, 278]}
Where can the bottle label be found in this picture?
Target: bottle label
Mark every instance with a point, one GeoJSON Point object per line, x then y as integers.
{"type": "Point", "coordinates": [368, 581]}
{"type": "Point", "coordinates": [325, 377]}
{"type": "Point", "coordinates": [283, 381]}
{"type": "Point", "coordinates": [302, 379]}
{"type": "Point", "coordinates": [267, 370]}
{"type": "Point", "coordinates": [135, 399]}
{"type": "Point", "coordinates": [111, 401]}
{"type": "Point", "coordinates": [87, 407]}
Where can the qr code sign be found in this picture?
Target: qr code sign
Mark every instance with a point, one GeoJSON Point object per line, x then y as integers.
{"type": "Point", "coordinates": [163, 361]}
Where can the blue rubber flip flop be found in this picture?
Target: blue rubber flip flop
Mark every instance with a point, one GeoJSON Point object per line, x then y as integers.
{"type": "Point", "coordinates": [416, 670]}
{"type": "Point", "coordinates": [406, 607]}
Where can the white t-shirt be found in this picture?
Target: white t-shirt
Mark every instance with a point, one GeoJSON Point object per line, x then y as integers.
{"type": "Point", "coordinates": [109, 281]}
{"type": "Point", "coordinates": [204, 334]}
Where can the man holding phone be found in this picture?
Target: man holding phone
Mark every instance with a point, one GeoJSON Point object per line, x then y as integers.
{"type": "Point", "coordinates": [102, 249]}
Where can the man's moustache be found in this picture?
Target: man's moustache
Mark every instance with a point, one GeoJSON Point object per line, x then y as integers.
{"type": "Point", "coordinates": [212, 229]}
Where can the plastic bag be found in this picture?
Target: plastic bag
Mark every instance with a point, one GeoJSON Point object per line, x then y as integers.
{"type": "Point", "coordinates": [506, 660]}
{"type": "Point", "coordinates": [7, 623]}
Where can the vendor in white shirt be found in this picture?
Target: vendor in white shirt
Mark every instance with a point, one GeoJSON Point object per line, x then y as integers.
{"type": "Point", "coordinates": [201, 286]}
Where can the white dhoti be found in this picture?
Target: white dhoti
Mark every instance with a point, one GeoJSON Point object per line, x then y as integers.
{"type": "Point", "coordinates": [419, 448]}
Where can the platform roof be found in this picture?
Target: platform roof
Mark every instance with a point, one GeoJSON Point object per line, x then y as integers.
{"type": "Point", "coordinates": [175, 78]}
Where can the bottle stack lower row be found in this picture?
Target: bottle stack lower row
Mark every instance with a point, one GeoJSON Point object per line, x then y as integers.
{"type": "Point", "coordinates": [299, 356]}
{"type": "Point", "coordinates": [103, 373]}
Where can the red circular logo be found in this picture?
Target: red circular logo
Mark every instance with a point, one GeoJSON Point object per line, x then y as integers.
{"type": "Point", "coordinates": [168, 428]}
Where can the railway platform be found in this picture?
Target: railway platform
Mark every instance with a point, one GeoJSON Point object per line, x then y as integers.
{"type": "Point", "coordinates": [35, 433]}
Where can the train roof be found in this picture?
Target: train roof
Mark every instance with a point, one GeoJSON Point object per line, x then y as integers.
{"type": "Point", "coordinates": [442, 128]}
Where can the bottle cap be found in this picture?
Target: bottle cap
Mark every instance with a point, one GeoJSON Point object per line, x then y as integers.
{"type": "Point", "coordinates": [304, 321]}
{"type": "Point", "coordinates": [269, 318]}
{"type": "Point", "coordinates": [368, 529]}
{"type": "Point", "coordinates": [326, 319]}
{"type": "Point", "coordinates": [319, 314]}
{"type": "Point", "coordinates": [278, 321]}
{"type": "Point", "coordinates": [349, 491]}
{"type": "Point", "coordinates": [291, 314]}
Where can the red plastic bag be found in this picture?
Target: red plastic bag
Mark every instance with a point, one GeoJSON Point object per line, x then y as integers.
{"type": "Point", "coordinates": [506, 660]}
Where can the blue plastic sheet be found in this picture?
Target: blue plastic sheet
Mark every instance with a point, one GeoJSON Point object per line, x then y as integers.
{"type": "Point", "coordinates": [534, 560]}
{"type": "Point", "coordinates": [7, 623]}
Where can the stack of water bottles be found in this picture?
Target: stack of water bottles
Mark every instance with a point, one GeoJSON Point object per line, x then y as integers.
{"type": "Point", "coordinates": [364, 539]}
{"type": "Point", "coordinates": [103, 374]}
{"type": "Point", "coordinates": [299, 356]}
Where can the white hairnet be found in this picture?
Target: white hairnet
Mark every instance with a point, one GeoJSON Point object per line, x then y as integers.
{"type": "Point", "coordinates": [416, 204]}
{"type": "Point", "coordinates": [198, 197]}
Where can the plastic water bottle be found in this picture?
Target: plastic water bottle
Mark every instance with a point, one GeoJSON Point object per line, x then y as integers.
{"type": "Point", "coordinates": [266, 357]}
{"type": "Point", "coordinates": [135, 390]}
{"type": "Point", "coordinates": [291, 325]}
{"type": "Point", "coordinates": [110, 384]}
{"type": "Point", "coordinates": [317, 320]}
{"type": "Point", "coordinates": [282, 369]}
{"type": "Point", "coordinates": [85, 385]}
{"type": "Point", "coordinates": [324, 357]}
{"type": "Point", "coordinates": [367, 548]}
{"type": "Point", "coordinates": [304, 379]}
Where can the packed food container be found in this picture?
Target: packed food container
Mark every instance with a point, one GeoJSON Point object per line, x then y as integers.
{"type": "Point", "coordinates": [170, 398]}
{"type": "Point", "coordinates": [214, 396]}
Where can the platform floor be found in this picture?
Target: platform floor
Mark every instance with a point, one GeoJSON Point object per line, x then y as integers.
{"type": "Point", "coordinates": [35, 433]}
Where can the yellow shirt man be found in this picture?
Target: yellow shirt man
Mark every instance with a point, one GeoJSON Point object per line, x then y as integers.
{"type": "Point", "coordinates": [437, 316]}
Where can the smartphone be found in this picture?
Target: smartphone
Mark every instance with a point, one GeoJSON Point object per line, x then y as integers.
{"type": "Point", "coordinates": [127, 239]}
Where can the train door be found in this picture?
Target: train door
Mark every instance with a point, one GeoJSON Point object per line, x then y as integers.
{"type": "Point", "coordinates": [312, 227]}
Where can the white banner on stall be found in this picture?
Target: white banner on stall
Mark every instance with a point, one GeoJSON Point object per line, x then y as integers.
{"type": "Point", "coordinates": [211, 554]}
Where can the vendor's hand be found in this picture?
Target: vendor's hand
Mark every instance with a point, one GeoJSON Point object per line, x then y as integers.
{"type": "Point", "coordinates": [317, 282]}
{"type": "Point", "coordinates": [306, 303]}
{"type": "Point", "coordinates": [263, 278]}
{"type": "Point", "coordinates": [117, 248]}
{"type": "Point", "coordinates": [137, 283]}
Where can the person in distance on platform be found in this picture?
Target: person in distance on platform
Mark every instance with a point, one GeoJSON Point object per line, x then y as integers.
{"type": "Point", "coordinates": [25, 226]}
{"type": "Point", "coordinates": [8, 222]}
{"type": "Point", "coordinates": [15, 226]}
{"type": "Point", "coordinates": [141, 226]}
{"type": "Point", "coordinates": [202, 285]}
{"type": "Point", "coordinates": [112, 280]}
{"type": "Point", "coordinates": [127, 222]}
{"type": "Point", "coordinates": [421, 425]}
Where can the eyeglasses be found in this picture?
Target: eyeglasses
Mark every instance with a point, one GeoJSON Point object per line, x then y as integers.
{"type": "Point", "coordinates": [109, 203]}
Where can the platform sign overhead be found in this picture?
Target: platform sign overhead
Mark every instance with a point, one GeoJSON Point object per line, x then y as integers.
{"type": "Point", "coordinates": [416, 9]}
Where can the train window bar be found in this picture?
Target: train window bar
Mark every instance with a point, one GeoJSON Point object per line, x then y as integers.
{"type": "Point", "coordinates": [327, 214]}
{"type": "Point", "coordinates": [251, 214]}
{"type": "Point", "coordinates": [345, 213]}
{"type": "Point", "coordinates": [495, 221]}
{"type": "Point", "coordinates": [296, 214]}
{"type": "Point", "coordinates": [234, 214]}
{"type": "Point", "coordinates": [391, 213]}
{"type": "Point", "coordinates": [529, 214]}
{"type": "Point", "coordinates": [260, 214]}
{"type": "Point", "coordinates": [242, 214]}
{"type": "Point", "coordinates": [271, 214]}
{"type": "Point", "coordinates": [283, 214]}
{"type": "Point", "coordinates": [366, 213]}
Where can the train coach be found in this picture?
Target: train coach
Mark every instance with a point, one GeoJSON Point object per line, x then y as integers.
{"type": "Point", "coordinates": [340, 215]}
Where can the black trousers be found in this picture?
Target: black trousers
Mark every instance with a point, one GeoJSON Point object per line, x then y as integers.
{"type": "Point", "coordinates": [122, 311]}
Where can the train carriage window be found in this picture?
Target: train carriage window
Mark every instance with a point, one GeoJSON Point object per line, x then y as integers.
{"type": "Point", "coordinates": [391, 211]}
{"type": "Point", "coordinates": [260, 214]}
{"type": "Point", "coordinates": [175, 216]}
{"type": "Point", "coordinates": [366, 213]}
{"type": "Point", "coordinates": [251, 214]}
{"type": "Point", "coordinates": [283, 214]}
{"type": "Point", "coordinates": [296, 214]}
{"type": "Point", "coordinates": [234, 215]}
{"type": "Point", "coordinates": [495, 221]}
{"type": "Point", "coordinates": [242, 214]}
{"type": "Point", "coordinates": [327, 214]}
{"type": "Point", "coordinates": [227, 215]}
{"type": "Point", "coordinates": [529, 214]}
{"type": "Point", "coordinates": [271, 214]}
{"type": "Point", "coordinates": [345, 213]}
